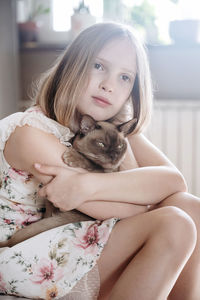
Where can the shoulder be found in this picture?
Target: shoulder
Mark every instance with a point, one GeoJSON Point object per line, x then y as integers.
{"type": "Point", "coordinates": [138, 139]}
{"type": "Point", "coordinates": [28, 145]}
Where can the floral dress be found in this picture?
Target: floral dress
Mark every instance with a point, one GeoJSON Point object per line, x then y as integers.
{"type": "Point", "coordinates": [60, 262]}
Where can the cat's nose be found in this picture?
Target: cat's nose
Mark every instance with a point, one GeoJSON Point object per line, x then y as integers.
{"type": "Point", "coordinates": [113, 155]}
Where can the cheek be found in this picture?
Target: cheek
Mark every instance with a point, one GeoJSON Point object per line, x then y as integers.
{"type": "Point", "coordinates": [123, 95]}
{"type": "Point", "coordinates": [128, 90]}
{"type": "Point", "coordinates": [93, 80]}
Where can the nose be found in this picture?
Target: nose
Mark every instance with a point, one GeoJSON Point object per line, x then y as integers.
{"type": "Point", "coordinates": [107, 85]}
{"type": "Point", "coordinates": [113, 155]}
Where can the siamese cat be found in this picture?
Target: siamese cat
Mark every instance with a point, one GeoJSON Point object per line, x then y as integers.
{"type": "Point", "coordinates": [99, 146]}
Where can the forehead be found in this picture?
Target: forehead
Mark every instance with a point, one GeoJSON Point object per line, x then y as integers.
{"type": "Point", "coordinates": [120, 52]}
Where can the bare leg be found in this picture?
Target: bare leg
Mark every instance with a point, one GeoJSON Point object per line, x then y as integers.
{"type": "Point", "coordinates": [143, 257]}
{"type": "Point", "coordinates": [188, 284]}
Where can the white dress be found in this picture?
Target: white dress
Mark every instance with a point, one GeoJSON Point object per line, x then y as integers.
{"type": "Point", "coordinates": [60, 262]}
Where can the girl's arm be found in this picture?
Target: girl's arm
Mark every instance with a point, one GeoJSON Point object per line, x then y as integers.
{"type": "Point", "coordinates": [28, 145]}
{"type": "Point", "coordinates": [153, 179]}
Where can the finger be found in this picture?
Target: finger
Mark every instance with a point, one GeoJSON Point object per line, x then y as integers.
{"type": "Point", "coordinates": [46, 169]}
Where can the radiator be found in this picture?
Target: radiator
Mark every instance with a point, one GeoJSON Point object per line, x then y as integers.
{"type": "Point", "coordinates": [175, 130]}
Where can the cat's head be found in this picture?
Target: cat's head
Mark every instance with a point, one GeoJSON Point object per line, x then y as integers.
{"type": "Point", "coordinates": [103, 142]}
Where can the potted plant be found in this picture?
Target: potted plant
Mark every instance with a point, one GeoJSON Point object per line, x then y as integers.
{"type": "Point", "coordinates": [81, 19]}
{"type": "Point", "coordinates": [143, 17]}
{"type": "Point", "coordinates": [184, 31]}
{"type": "Point", "coordinates": [28, 31]}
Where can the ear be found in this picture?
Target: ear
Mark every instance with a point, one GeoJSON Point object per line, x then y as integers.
{"type": "Point", "coordinates": [87, 124]}
{"type": "Point", "coordinates": [127, 127]}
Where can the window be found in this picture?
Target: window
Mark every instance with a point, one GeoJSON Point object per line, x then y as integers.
{"type": "Point", "coordinates": [166, 11]}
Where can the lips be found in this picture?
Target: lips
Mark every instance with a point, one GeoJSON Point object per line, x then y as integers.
{"type": "Point", "coordinates": [101, 101]}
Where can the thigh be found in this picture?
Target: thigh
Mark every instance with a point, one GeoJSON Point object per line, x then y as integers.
{"type": "Point", "coordinates": [187, 286]}
{"type": "Point", "coordinates": [127, 238]}
{"type": "Point", "coordinates": [187, 202]}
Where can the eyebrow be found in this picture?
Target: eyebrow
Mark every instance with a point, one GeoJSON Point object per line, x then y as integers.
{"type": "Point", "coordinates": [124, 69]}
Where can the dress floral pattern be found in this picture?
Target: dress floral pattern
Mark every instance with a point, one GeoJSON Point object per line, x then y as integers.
{"type": "Point", "coordinates": [50, 264]}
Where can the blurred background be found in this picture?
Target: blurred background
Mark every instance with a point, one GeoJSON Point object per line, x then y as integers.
{"type": "Point", "coordinates": [34, 32]}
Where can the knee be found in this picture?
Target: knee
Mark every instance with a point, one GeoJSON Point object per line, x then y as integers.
{"type": "Point", "coordinates": [178, 230]}
{"type": "Point", "coordinates": [185, 201]}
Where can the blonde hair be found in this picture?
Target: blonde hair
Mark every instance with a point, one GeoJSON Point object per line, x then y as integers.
{"type": "Point", "coordinates": [62, 85]}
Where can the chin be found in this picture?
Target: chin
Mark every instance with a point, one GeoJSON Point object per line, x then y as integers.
{"type": "Point", "coordinates": [100, 117]}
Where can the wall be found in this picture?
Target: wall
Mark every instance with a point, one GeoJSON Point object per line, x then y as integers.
{"type": "Point", "coordinates": [33, 62]}
{"type": "Point", "coordinates": [175, 71]}
{"type": "Point", "coordinates": [174, 129]}
{"type": "Point", "coordinates": [9, 86]}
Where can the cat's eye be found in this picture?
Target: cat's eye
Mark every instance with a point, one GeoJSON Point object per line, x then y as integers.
{"type": "Point", "coordinates": [97, 126]}
{"type": "Point", "coordinates": [120, 146]}
{"type": "Point", "coordinates": [100, 144]}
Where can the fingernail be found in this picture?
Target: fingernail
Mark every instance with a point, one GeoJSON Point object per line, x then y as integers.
{"type": "Point", "coordinates": [37, 166]}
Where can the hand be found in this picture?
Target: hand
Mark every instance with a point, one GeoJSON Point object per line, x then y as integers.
{"type": "Point", "coordinates": [67, 189]}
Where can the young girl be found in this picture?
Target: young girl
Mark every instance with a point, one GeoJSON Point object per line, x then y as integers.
{"type": "Point", "coordinates": [152, 251]}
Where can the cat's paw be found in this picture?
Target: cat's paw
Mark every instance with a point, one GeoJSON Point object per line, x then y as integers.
{"type": "Point", "coordinates": [70, 157]}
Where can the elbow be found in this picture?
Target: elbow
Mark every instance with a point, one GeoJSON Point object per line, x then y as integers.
{"type": "Point", "coordinates": [180, 182]}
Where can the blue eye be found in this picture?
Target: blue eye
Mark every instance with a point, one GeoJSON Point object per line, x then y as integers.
{"type": "Point", "coordinates": [126, 78]}
{"type": "Point", "coordinates": [98, 66]}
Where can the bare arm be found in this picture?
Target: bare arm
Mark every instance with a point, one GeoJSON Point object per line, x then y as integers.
{"type": "Point", "coordinates": [27, 145]}
{"type": "Point", "coordinates": [109, 209]}
{"type": "Point", "coordinates": [142, 186]}
{"type": "Point", "coordinates": [154, 180]}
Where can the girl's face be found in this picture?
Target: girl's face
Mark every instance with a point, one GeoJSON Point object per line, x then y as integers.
{"type": "Point", "coordinates": [110, 82]}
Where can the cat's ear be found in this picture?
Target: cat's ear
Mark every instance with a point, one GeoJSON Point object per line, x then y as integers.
{"type": "Point", "coordinates": [127, 127]}
{"type": "Point", "coordinates": [87, 124]}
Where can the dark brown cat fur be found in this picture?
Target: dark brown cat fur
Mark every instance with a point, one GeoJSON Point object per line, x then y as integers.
{"type": "Point", "coordinates": [97, 147]}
